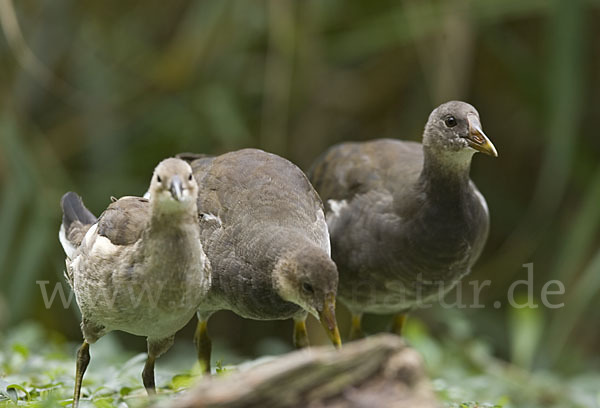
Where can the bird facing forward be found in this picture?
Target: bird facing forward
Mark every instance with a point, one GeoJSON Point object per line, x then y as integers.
{"type": "Point", "coordinates": [140, 267]}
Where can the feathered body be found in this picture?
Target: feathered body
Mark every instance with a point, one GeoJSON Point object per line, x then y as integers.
{"type": "Point", "coordinates": [135, 273]}
{"type": "Point", "coordinates": [140, 267]}
{"type": "Point", "coordinates": [256, 210]}
{"type": "Point", "coordinates": [393, 243]}
{"type": "Point", "coordinates": [405, 220]}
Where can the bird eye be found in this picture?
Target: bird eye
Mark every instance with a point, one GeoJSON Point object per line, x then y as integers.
{"type": "Point", "coordinates": [190, 177]}
{"type": "Point", "coordinates": [450, 121]}
{"type": "Point", "coordinates": [307, 287]}
{"type": "Point", "coordinates": [158, 178]}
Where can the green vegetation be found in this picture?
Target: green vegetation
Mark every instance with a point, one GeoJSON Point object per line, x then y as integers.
{"type": "Point", "coordinates": [36, 369]}
{"type": "Point", "coordinates": [94, 94]}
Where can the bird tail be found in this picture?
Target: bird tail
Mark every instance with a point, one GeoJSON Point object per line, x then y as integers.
{"type": "Point", "coordinates": [76, 221]}
{"type": "Point", "coordinates": [200, 163]}
{"type": "Point", "coordinates": [190, 157]}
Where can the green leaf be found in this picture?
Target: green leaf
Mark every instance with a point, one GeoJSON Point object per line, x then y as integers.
{"type": "Point", "coordinates": [181, 381]}
{"type": "Point", "coordinates": [104, 403]}
{"type": "Point", "coordinates": [21, 349]}
{"type": "Point", "coordinates": [13, 389]}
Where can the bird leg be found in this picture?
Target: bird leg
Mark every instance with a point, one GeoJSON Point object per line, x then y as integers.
{"type": "Point", "coordinates": [398, 323]}
{"type": "Point", "coordinates": [300, 333]}
{"type": "Point", "coordinates": [203, 345]}
{"type": "Point", "coordinates": [148, 374]}
{"type": "Point", "coordinates": [156, 348]}
{"type": "Point", "coordinates": [83, 359]}
{"type": "Point", "coordinates": [356, 328]}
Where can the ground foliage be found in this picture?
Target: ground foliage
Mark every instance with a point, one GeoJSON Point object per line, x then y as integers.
{"type": "Point", "coordinates": [93, 95]}
{"type": "Point", "coordinates": [36, 369]}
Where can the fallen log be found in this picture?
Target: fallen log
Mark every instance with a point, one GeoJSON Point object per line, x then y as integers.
{"type": "Point", "coordinates": [379, 371]}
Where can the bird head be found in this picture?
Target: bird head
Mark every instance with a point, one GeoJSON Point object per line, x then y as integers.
{"type": "Point", "coordinates": [309, 278]}
{"type": "Point", "coordinates": [173, 185]}
{"type": "Point", "coordinates": [455, 127]}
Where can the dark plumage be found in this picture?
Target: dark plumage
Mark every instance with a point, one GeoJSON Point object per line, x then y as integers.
{"type": "Point", "coordinates": [76, 220]}
{"type": "Point", "coordinates": [406, 222]}
{"type": "Point", "coordinates": [264, 232]}
{"type": "Point", "coordinates": [139, 267]}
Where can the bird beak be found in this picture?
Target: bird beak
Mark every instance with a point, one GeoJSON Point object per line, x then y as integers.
{"type": "Point", "coordinates": [327, 319]}
{"type": "Point", "coordinates": [477, 139]}
{"type": "Point", "coordinates": [176, 188]}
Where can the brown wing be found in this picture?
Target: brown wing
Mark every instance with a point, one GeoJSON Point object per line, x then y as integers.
{"type": "Point", "coordinates": [124, 220]}
{"type": "Point", "coordinates": [76, 232]}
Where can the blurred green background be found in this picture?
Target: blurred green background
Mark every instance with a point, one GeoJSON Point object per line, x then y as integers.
{"type": "Point", "coordinates": [94, 94]}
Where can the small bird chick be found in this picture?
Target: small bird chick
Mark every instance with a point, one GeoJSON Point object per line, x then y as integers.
{"type": "Point", "coordinates": [140, 267]}
{"type": "Point", "coordinates": [264, 232]}
{"type": "Point", "coordinates": [405, 220]}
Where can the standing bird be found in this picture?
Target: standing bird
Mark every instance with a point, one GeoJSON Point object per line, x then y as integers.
{"type": "Point", "coordinates": [264, 231]}
{"type": "Point", "coordinates": [140, 267]}
{"type": "Point", "coordinates": [405, 220]}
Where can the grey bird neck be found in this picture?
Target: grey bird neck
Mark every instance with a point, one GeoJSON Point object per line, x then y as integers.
{"type": "Point", "coordinates": [174, 233]}
{"type": "Point", "coordinates": [441, 207]}
{"type": "Point", "coordinates": [445, 175]}
{"type": "Point", "coordinates": [163, 220]}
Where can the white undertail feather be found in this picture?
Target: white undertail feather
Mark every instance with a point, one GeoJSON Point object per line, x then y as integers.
{"type": "Point", "coordinates": [67, 246]}
{"type": "Point", "coordinates": [89, 235]}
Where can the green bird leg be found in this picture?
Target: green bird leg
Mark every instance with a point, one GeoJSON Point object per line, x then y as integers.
{"type": "Point", "coordinates": [356, 327]}
{"type": "Point", "coordinates": [156, 348]}
{"type": "Point", "coordinates": [83, 359]}
{"type": "Point", "coordinates": [398, 323]}
{"type": "Point", "coordinates": [148, 374]}
{"type": "Point", "coordinates": [300, 333]}
{"type": "Point", "coordinates": [203, 344]}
